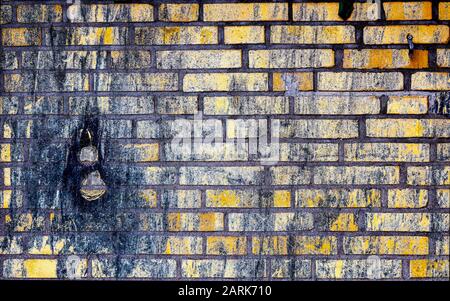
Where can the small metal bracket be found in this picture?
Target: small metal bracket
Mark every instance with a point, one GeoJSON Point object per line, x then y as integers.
{"type": "Point", "coordinates": [410, 43]}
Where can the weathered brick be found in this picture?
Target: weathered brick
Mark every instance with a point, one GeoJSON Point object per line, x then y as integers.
{"type": "Point", "coordinates": [407, 104]}
{"type": "Point", "coordinates": [245, 12]}
{"type": "Point", "coordinates": [429, 268]}
{"type": "Point", "coordinates": [198, 59]}
{"type": "Point", "coordinates": [181, 199]}
{"type": "Point", "coordinates": [11, 152]}
{"type": "Point", "coordinates": [226, 245]}
{"type": "Point", "coordinates": [133, 268]}
{"type": "Point", "coordinates": [443, 198]}
{"type": "Point", "coordinates": [444, 11]}
{"type": "Point", "coordinates": [244, 34]}
{"type": "Point", "coordinates": [358, 269]}
{"type": "Point", "coordinates": [289, 221]}
{"type": "Point", "coordinates": [170, 35]}
{"type": "Point", "coordinates": [136, 82]}
{"type": "Point", "coordinates": [111, 105]}
{"type": "Point", "coordinates": [290, 268]}
{"type": "Point", "coordinates": [356, 175]}
{"type": "Point", "coordinates": [290, 175]}
{"type": "Point", "coordinates": [245, 105]}
{"type": "Point", "coordinates": [25, 222]}
{"type": "Point", "coordinates": [101, 13]}
{"type": "Point", "coordinates": [308, 152]}
{"type": "Point", "coordinates": [440, 222]}
{"type": "Point", "coordinates": [291, 58]}
{"type": "Point", "coordinates": [30, 268]}
{"type": "Point", "coordinates": [306, 34]}
{"type": "Point", "coordinates": [430, 81]}
{"type": "Point", "coordinates": [292, 82]}
{"type": "Point", "coordinates": [9, 105]}
{"type": "Point", "coordinates": [39, 13]}
{"type": "Point", "coordinates": [297, 245]}
{"type": "Point", "coordinates": [206, 152]}
{"type": "Point", "coordinates": [46, 82]}
{"type": "Point", "coordinates": [9, 61]}
{"type": "Point", "coordinates": [428, 175]}
{"type": "Point", "coordinates": [130, 59]}
{"type": "Point", "coordinates": [231, 268]}
{"type": "Point", "coordinates": [347, 104]}
{"type": "Point", "coordinates": [78, 36]}
{"type": "Point", "coordinates": [399, 222]}
{"type": "Point", "coordinates": [354, 81]}
{"type": "Point", "coordinates": [162, 244]}
{"type": "Point", "coordinates": [385, 59]}
{"type": "Point", "coordinates": [443, 57]}
{"type": "Point", "coordinates": [177, 105]}
{"type": "Point", "coordinates": [221, 175]}
{"type": "Point", "coordinates": [324, 128]}
{"type": "Point", "coordinates": [407, 198]}
{"type": "Point", "coordinates": [64, 59]}
{"type": "Point", "coordinates": [337, 222]}
{"type": "Point", "coordinates": [442, 246]}
{"type": "Point", "coordinates": [5, 14]}
{"type": "Point", "coordinates": [396, 34]}
{"type": "Point", "coordinates": [387, 152]}
{"type": "Point", "coordinates": [203, 82]}
{"type": "Point", "coordinates": [143, 152]}
{"type": "Point", "coordinates": [386, 245]}
{"type": "Point", "coordinates": [362, 11]}
{"type": "Point", "coordinates": [21, 37]}
{"type": "Point", "coordinates": [406, 128]}
{"type": "Point", "coordinates": [11, 245]}
{"type": "Point", "coordinates": [338, 198]}
{"type": "Point", "coordinates": [178, 12]}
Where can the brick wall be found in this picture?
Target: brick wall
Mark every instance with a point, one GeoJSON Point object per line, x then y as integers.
{"type": "Point", "coordinates": [359, 187]}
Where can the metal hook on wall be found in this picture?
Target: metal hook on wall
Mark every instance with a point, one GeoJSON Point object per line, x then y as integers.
{"type": "Point", "coordinates": [345, 8]}
{"type": "Point", "coordinates": [410, 43]}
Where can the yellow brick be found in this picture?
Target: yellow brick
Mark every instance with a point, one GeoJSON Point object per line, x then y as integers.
{"type": "Point", "coordinates": [147, 152]}
{"type": "Point", "coordinates": [407, 10]}
{"type": "Point", "coordinates": [443, 198]}
{"type": "Point", "coordinates": [430, 81]}
{"type": "Point", "coordinates": [282, 198]}
{"type": "Point", "coordinates": [426, 268]}
{"type": "Point", "coordinates": [407, 128]}
{"type": "Point", "coordinates": [396, 34]}
{"type": "Point", "coordinates": [344, 222]}
{"type": "Point", "coordinates": [195, 221]}
{"type": "Point", "coordinates": [228, 198]}
{"type": "Point", "coordinates": [290, 34]}
{"type": "Point", "coordinates": [443, 58]}
{"type": "Point", "coordinates": [178, 12]}
{"type": "Point", "coordinates": [298, 81]}
{"type": "Point", "coordinates": [40, 268]}
{"type": "Point", "coordinates": [385, 59]}
{"type": "Point", "coordinates": [245, 12]}
{"type": "Point", "coordinates": [407, 198]}
{"type": "Point", "coordinates": [291, 58]}
{"type": "Point", "coordinates": [399, 222]}
{"type": "Point", "coordinates": [386, 245]}
{"type": "Point", "coordinates": [245, 105]}
{"type": "Point", "coordinates": [244, 34]}
{"type": "Point", "coordinates": [387, 152]}
{"type": "Point", "coordinates": [21, 36]}
{"type": "Point", "coordinates": [362, 11]}
{"type": "Point", "coordinates": [198, 59]}
{"type": "Point", "coordinates": [226, 245]}
{"type": "Point", "coordinates": [97, 36]}
{"type": "Point", "coordinates": [183, 245]}
{"type": "Point", "coordinates": [407, 105]}
{"type": "Point", "coordinates": [199, 82]}
{"type": "Point", "coordinates": [172, 35]}
{"type": "Point", "coordinates": [443, 246]}
{"type": "Point", "coordinates": [299, 245]}
{"type": "Point", "coordinates": [444, 11]}
{"type": "Point", "coordinates": [358, 81]}
{"type": "Point", "coordinates": [338, 198]}
{"type": "Point", "coordinates": [346, 104]}
{"type": "Point", "coordinates": [5, 152]}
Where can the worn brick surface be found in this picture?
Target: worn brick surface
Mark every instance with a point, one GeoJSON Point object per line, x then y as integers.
{"type": "Point", "coordinates": [350, 178]}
